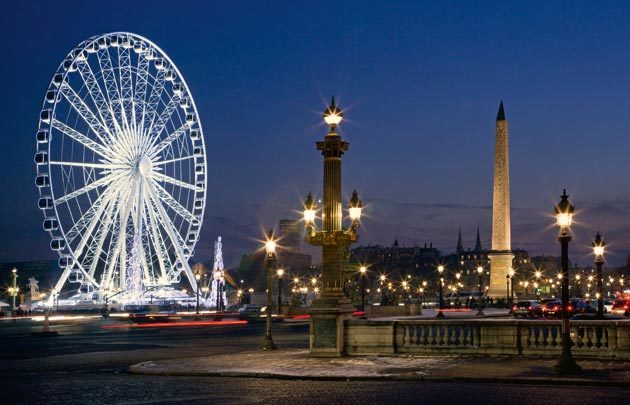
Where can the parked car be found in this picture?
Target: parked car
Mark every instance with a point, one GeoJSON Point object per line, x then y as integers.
{"type": "Point", "coordinates": [608, 306]}
{"type": "Point", "coordinates": [528, 308]}
{"type": "Point", "coordinates": [621, 307]}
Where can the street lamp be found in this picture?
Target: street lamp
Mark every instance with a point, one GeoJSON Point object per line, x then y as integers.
{"type": "Point", "coordinates": [598, 251]}
{"type": "Point", "coordinates": [440, 314]}
{"type": "Point", "coordinates": [362, 272]}
{"type": "Point", "coordinates": [510, 288]}
{"type": "Point", "coordinates": [334, 240]}
{"type": "Point", "coordinates": [270, 248]}
{"type": "Point", "coordinates": [564, 215]}
{"type": "Point", "coordinates": [13, 290]}
{"type": "Point", "coordinates": [480, 304]}
{"type": "Point", "coordinates": [280, 273]}
{"type": "Point", "coordinates": [197, 278]}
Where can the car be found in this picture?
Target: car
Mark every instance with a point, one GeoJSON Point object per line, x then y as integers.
{"type": "Point", "coordinates": [621, 307]}
{"type": "Point", "coordinates": [527, 308]}
{"type": "Point", "coordinates": [582, 307]}
{"type": "Point", "coordinates": [250, 312]}
{"type": "Point", "coordinates": [608, 306]}
{"type": "Point", "coordinates": [553, 309]}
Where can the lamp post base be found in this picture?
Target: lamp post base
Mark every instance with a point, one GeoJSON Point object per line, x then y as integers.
{"type": "Point", "coordinates": [440, 314]}
{"type": "Point", "coordinates": [268, 343]}
{"type": "Point", "coordinates": [567, 365]}
{"type": "Point", "coordinates": [480, 313]}
{"type": "Point", "coordinates": [327, 328]}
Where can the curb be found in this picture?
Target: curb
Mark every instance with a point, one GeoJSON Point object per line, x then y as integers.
{"type": "Point", "coordinates": [140, 369]}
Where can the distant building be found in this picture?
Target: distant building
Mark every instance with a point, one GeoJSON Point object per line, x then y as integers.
{"type": "Point", "coordinates": [397, 260]}
{"type": "Point", "coordinates": [290, 235]}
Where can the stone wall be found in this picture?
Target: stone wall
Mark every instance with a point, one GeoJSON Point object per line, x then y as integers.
{"type": "Point", "coordinates": [596, 339]}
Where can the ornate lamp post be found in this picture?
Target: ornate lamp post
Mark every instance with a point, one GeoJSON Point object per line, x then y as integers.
{"type": "Point", "coordinates": [197, 278]}
{"type": "Point", "coordinates": [598, 251]}
{"type": "Point", "coordinates": [362, 272]}
{"type": "Point", "coordinates": [480, 304]}
{"type": "Point", "coordinates": [564, 215]}
{"type": "Point", "coordinates": [280, 273]}
{"type": "Point", "coordinates": [13, 290]}
{"type": "Point", "coordinates": [440, 314]}
{"type": "Point", "coordinates": [270, 248]}
{"type": "Point", "coordinates": [510, 276]}
{"type": "Point", "coordinates": [332, 308]}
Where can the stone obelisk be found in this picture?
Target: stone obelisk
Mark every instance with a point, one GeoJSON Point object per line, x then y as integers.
{"type": "Point", "coordinates": [501, 254]}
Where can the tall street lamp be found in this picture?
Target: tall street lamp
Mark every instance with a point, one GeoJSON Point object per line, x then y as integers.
{"type": "Point", "coordinates": [511, 288]}
{"type": "Point", "coordinates": [362, 272]}
{"type": "Point", "coordinates": [280, 273]}
{"type": "Point", "coordinates": [332, 308]}
{"type": "Point", "coordinates": [13, 290]}
{"type": "Point", "coordinates": [440, 314]}
{"type": "Point", "coordinates": [480, 303]}
{"type": "Point", "coordinates": [564, 215]}
{"type": "Point", "coordinates": [270, 248]}
{"type": "Point", "coordinates": [197, 278]}
{"type": "Point", "coordinates": [598, 251]}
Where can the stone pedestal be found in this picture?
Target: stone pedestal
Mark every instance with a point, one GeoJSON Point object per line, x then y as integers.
{"type": "Point", "coordinates": [500, 264]}
{"type": "Point", "coordinates": [327, 328]}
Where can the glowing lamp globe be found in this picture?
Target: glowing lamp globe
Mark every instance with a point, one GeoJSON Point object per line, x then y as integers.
{"type": "Point", "coordinates": [333, 115]}
{"type": "Point", "coordinates": [355, 206]}
{"type": "Point", "coordinates": [564, 211]}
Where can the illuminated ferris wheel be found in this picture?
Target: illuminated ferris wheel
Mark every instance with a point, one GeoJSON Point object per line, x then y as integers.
{"type": "Point", "coordinates": [121, 167]}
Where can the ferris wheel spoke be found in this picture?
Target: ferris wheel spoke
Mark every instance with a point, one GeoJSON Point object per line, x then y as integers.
{"type": "Point", "coordinates": [168, 179]}
{"type": "Point", "coordinates": [104, 110]}
{"type": "Point", "coordinates": [85, 112]}
{"type": "Point", "coordinates": [103, 181]}
{"type": "Point", "coordinates": [139, 96]}
{"type": "Point", "coordinates": [111, 87]}
{"type": "Point", "coordinates": [172, 137]}
{"type": "Point", "coordinates": [150, 109]}
{"type": "Point", "coordinates": [160, 123]}
{"type": "Point", "coordinates": [158, 242]}
{"type": "Point", "coordinates": [126, 84]}
{"type": "Point", "coordinates": [175, 237]}
{"type": "Point", "coordinates": [82, 139]}
{"type": "Point", "coordinates": [179, 159]}
{"type": "Point", "coordinates": [90, 223]}
{"type": "Point", "coordinates": [117, 247]}
{"type": "Point", "coordinates": [171, 202]}
{"type": "Point", "coordinates": [103, 231]}
{"type": "Point", "coordinates": [94, 212]}
{"type": "Point", "coordinates": [108, 166]}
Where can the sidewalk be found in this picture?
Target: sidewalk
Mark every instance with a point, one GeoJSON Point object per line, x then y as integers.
{"type": "Point", "coordinates": [294, 364]}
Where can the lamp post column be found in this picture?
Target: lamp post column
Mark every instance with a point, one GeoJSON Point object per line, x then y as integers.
{"type": "Point", "coordinates": [598, 250]}
{"type": "Point", "coordinates": [564, 211]}
{"type": "Point", "coordinates": [270, 264]}
{"type": "Point", "coordinates": [440, 314]}
{"type": "Point", "coordinates": [331, 309]}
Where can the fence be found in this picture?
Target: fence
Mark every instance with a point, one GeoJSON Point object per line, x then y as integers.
{"type": "Point", "coordinates": [597, 339]}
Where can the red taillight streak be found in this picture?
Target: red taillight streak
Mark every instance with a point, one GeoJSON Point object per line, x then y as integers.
{"type": "Point", "coordinates": [174, 324]}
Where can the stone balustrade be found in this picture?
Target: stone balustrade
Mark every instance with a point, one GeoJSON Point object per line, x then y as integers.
{"type": "Point", "coordinates": [597, 339]}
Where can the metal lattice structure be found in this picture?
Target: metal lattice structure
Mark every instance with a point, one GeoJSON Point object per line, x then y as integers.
{"type": "Point", "coordinates": [120, 152]}
{"type": "Point", "coordinates": [218, 277]}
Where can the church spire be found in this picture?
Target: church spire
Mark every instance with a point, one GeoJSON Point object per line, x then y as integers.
{"type": "Point", "coordinates": [460, 245]}
{"type": "Point", "coordinates": [478, 247]}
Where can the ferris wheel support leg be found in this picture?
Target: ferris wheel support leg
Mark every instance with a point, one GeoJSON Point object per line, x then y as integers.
{"type": "Point", "coordinates": [62, 280]}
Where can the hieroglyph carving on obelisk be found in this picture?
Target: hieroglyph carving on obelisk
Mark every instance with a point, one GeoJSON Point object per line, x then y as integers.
{"type": "Point", "coordinates": [501, 255]}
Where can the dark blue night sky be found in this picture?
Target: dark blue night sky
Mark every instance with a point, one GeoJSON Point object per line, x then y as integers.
{"type": "Point", "coordinates": [420, 83]}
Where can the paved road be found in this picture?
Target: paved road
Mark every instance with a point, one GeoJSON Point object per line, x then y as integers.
{"type": "Point", "coordinates": [87, 364]}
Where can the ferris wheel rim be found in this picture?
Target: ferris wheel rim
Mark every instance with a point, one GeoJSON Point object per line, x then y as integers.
{"type": "Point", "coordinates": [60, 232]}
